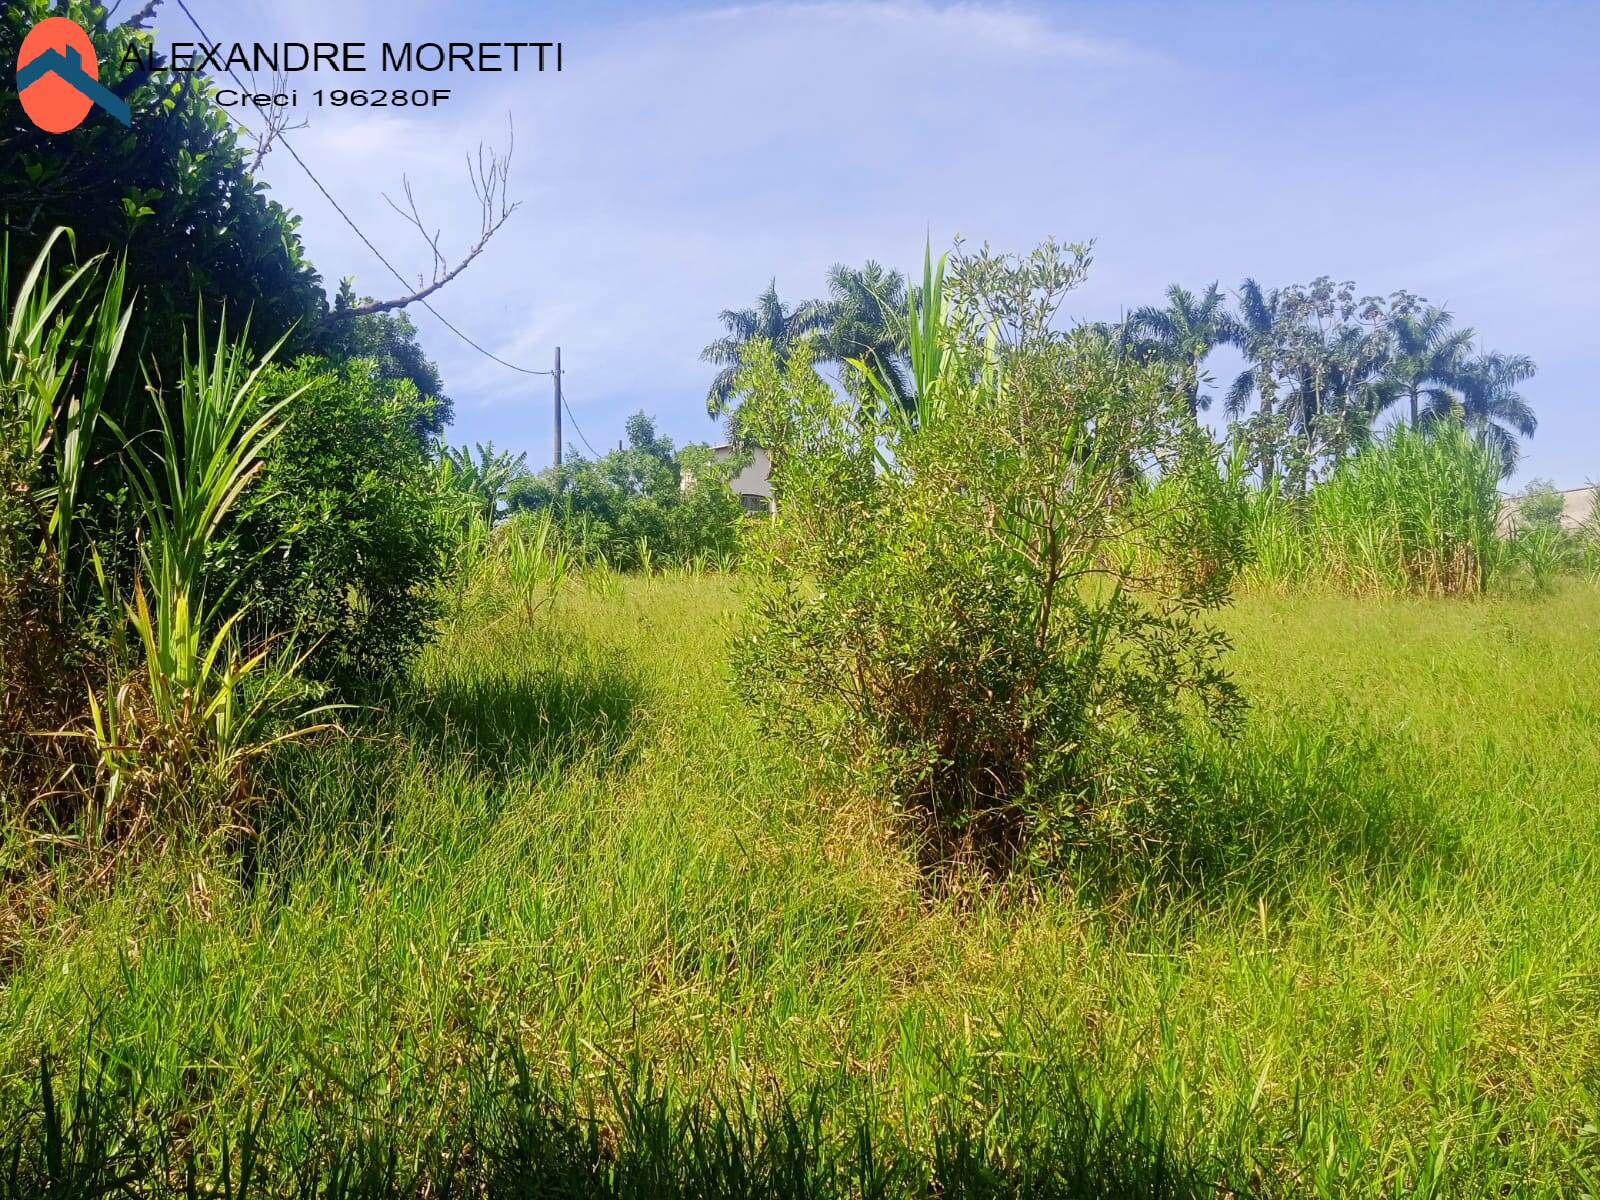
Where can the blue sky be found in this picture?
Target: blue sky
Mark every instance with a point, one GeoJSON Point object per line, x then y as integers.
{"type": "Point", "coordinates": [690, 152]}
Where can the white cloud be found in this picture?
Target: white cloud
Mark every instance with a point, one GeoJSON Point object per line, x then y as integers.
{"type": "Point", "coordinates": [679, 162]}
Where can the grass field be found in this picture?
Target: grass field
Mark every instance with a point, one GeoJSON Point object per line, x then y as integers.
{"type": "Point", "coordinates": [566, 877]}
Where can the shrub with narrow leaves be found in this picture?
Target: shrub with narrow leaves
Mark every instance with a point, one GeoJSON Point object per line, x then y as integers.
{"type": "Point", "coordinates": [988, 603]}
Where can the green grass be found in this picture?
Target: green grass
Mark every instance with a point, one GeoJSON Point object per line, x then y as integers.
{"type": "Point", "coordinates": [561, 917]}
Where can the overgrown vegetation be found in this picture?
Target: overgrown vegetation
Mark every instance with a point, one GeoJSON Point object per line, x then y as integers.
{"type": "Point", "coordinates": [345, 546]}
{"type": "Point", "coordinates": [642, 505]}
{"type": "Point", "coordinates": [379, 818]}
{"type": "Point", "coordinates": [62, 338]}
{"type": "Point", "coordinates": [986, 603]}
{"type": "Point", "coordinates": [573, 878]}
{"type": "Point", "coordinates": [163, 598]}
{"type": "Point", "coordinates": [1414, 513]}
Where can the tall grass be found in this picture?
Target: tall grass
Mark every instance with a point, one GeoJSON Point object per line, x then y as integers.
{"type": "Point", "coordinates": [1415, 512]}
{"type": "Point", "coordinates": [61, 335]}
{"type": "Point", "coordinates": [534, 559]}
{"type": "Point", "coordinates": [1355, 962]}
{"type": "Point", "coordinates": [60, 339]}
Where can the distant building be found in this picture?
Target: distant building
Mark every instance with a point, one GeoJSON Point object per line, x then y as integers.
{"type": "Point", "coordinates": [753, 484]}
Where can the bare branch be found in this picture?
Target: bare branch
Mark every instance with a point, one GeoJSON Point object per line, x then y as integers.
{"type": "Point", "coordinates": [415, 218]}
{"type": "Point", "coordinates": [489, 175]}
{"type": "Point", "coordinates": [277, 120]}
{"type": "Point", "coordinates": [142, 17]}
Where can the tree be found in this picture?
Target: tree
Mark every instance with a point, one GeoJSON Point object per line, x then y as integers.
{"type": "Point", "coordinates": [172, 192]}
{"type": "Point", "coordinates": [176, 192]}
{"type": "Point", "coordinates": [771, 321]}
{"type": "Point", "coordinates": [1540, 506]}
{"type": "Point", "coordinates": [647, 501]}
{"type": "Point", "coordinates": [1183, 334]}
{"type": "Point", "coordinates": [390, 340]}
{"type": "Point", "coordinates": [1425, 355]}
{"type": "Point", "coordinates": [1488, 403]}
{"type": "Point", "coordinates": [866, 324]}
{"type": "Point", "coordinates": [1318, 359]}
{"type": "Point", "coordinates": [482, 481]}
{"type": "Point", "coordinates": [1256, 334]}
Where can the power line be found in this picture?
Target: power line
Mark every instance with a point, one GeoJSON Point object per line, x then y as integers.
{"type": "Point", "coordinates": [574, 422]}
{"type": "Point", "coordinates": [404, 282]}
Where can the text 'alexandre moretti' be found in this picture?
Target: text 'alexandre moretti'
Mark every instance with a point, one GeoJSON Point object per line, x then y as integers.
{"type": "Point", "coordinates": [352, 57]}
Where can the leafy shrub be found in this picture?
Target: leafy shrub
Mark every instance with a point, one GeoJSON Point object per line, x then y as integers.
{"type": "Point", "coordinates": [345, 546]}
{"type": "Point", "coordinates": [986, 604]}
{"type": "Point", "coordinates": [1539, 506]}
{"type": "Point", "coordinates": [390, 340]}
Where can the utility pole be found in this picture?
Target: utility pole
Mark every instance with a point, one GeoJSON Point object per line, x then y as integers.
{"type": "Point", "coordinates": [557, 376]}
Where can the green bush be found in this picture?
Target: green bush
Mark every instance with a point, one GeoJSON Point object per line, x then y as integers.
{"type": "Point", "coordinates": [1539, 506]}
{"type": "Point", "coordinates": [345, 545]}
{"type": "Point", "coordinates": [643, 504]}
{"type": "Point", "coordinates": [985, 605]}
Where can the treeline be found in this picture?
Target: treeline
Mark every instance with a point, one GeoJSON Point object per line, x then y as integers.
{"type": "Point", "coordinates": [1324, 368]}
{"type": "Point", "coordinates": [647, 503]}
{"type": "Point", "coordinates": [1316, 420]}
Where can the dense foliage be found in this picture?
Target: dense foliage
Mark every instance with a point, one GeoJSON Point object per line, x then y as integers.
{"type": "Point", "coordinates": [984, 603]}
{"type": "Point", "coordinates": [61, 335]}
{"type": "Point", "coordinates": [172, 192]}
{"type": "Point", "coordinates": [165, 598]}
{"type": "Point", "coordinates": [344, 547]}
{"type": "Point", "coordinates": [1539, 506]}
{"type": "Point", "coordinates": [1325, 367]}
{"type": "Point", "coordinates": [389, 340]}
{"type": "Point", "coordinates": [642, 503]}
{"type": "Point", "coordinates": [1415, 512]}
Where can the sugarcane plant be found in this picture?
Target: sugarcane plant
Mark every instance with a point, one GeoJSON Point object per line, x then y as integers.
{"type": "Point", "coordinates": [203, 704]}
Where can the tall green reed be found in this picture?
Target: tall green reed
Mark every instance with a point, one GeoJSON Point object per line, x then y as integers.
{"type": "Point", "coordinates": [61, 342]}
{"type": "Point", "coordinates": [1416, 512]}
{"type": "Point", "coordinates": [202, 705]}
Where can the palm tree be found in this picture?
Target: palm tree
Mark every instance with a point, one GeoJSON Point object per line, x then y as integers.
{"type": "Point", "coordinates": [1256, 330]}
{"type": "Point", "coordinates": [1489, 403]}
{"type": "Point", "coordinates": [1324, 378]}
{"type": "Point", "coordinates": [1184, 333]}
{"type": "Point", "coordinates": [1425, 356]}
{"type": "Point", "coordinates": [866, 322]}
{"type": "Point", "coordinates": [1357, 387]}
{"type": "Point", "coordinates": [771, 320]}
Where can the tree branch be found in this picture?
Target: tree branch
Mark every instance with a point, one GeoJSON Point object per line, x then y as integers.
{"type": "Point", "coordinates": [276, 117]}
{"type": "Point", "coordinates": [142, 17]}
{"type": "Point", "coordinates": [489, 175]}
